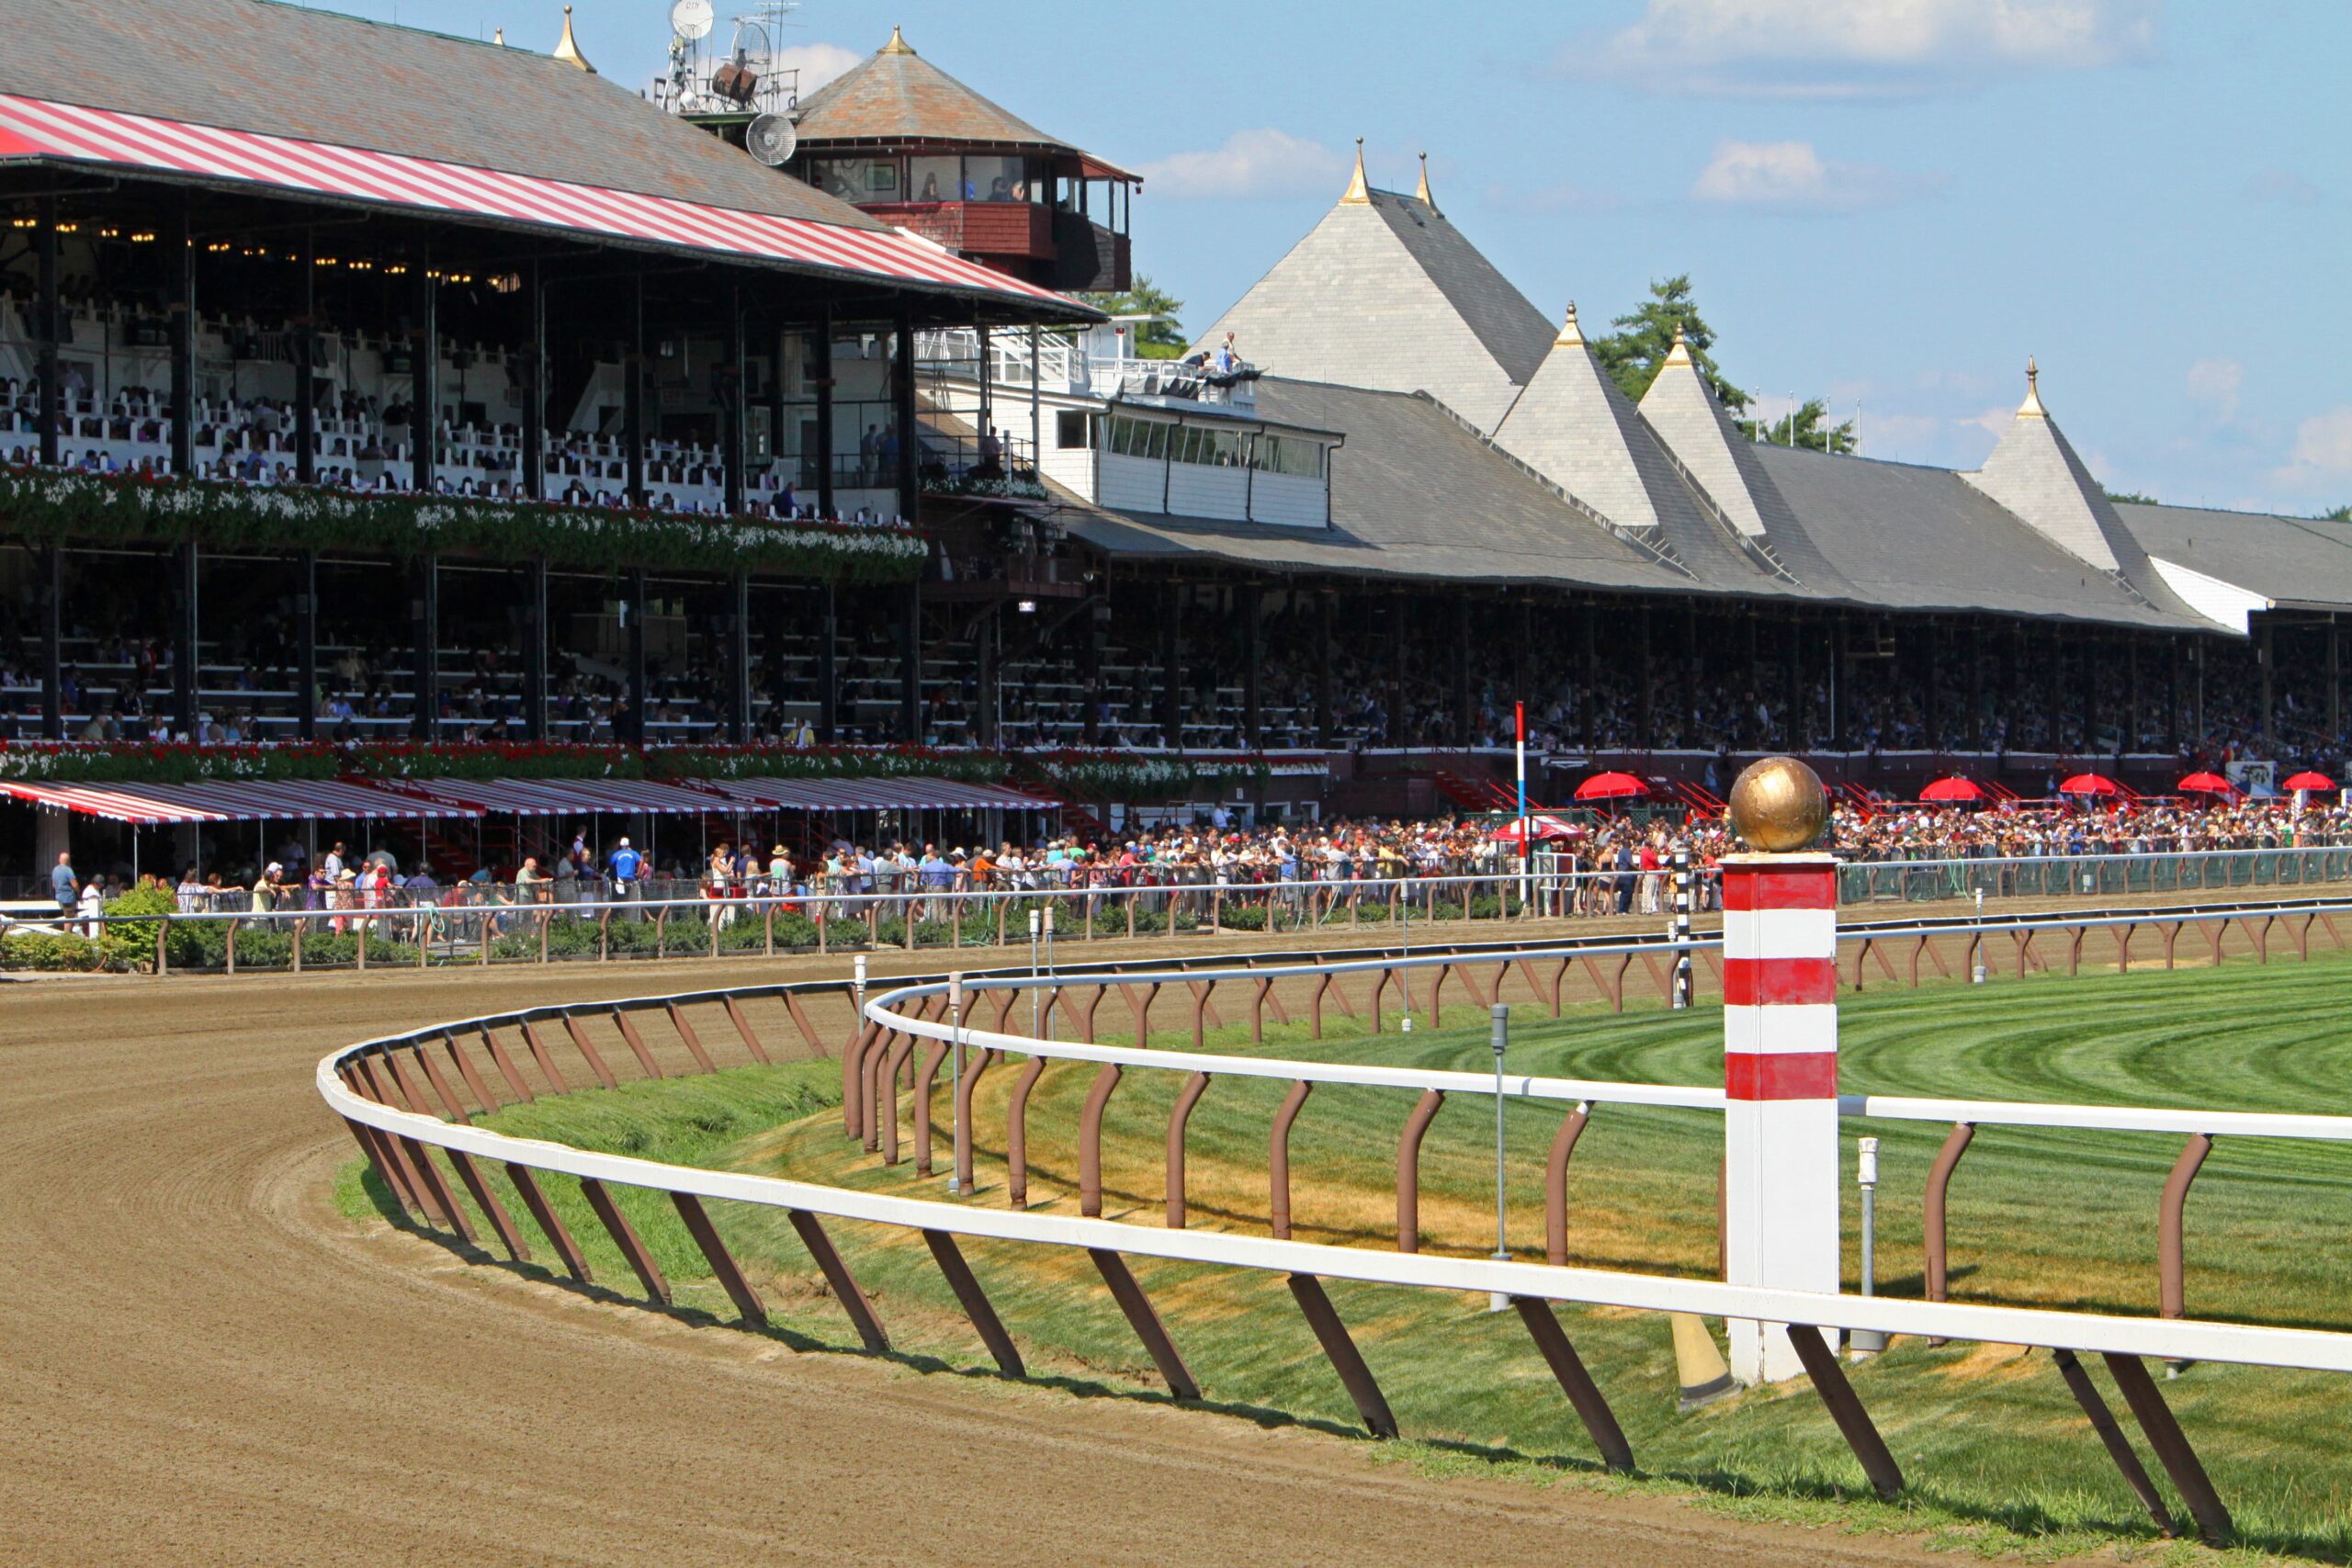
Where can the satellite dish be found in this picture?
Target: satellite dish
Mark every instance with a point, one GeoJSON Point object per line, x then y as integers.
{"type": "Point", "coordinates": [770, 138]}
{"type": "Point", "coordinates": [691, 19]}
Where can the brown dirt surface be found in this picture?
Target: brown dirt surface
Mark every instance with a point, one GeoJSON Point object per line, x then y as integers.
{"type": "Point", "coordinates": [202, 1361]}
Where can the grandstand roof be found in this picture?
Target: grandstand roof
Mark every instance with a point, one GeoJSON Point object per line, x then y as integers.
{"type": "Point", "coordinates": [2297, 562]}
{"type": "Point", "coordinates": [896, 96]}
{"type": "Point", "coordinates": [1384, 292]}
{"type": "Point", "coordinates": [182, 89]}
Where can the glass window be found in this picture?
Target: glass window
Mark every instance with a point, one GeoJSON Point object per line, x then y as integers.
{"type": "Point", "coordinates": [1289, 454]}
{"type": "Point", "coordinates": [1069, 429]}
{"type": "Point", "coordinates": [996, 178]}
{"type": "Point", "coordinates": [859, 179]}
{"type": "Point", "coordinates": [935, 179]}
{"type": "Point", "coordinates": [1158, 447]}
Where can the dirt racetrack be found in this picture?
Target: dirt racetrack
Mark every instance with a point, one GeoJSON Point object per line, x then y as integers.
{"type": "Point", "coordinates": [201, 1361]}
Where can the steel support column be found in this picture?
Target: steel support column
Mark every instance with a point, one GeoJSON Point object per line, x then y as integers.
{"type": "Point", "coordinates": [48, 328]}
{"type": "Point", "coordinates": [2265, 650]}
{"type": "Point", "coordinates": [185, 636]}
{"type": "Point", "coordinates": [305, 644]}
{"type": "Point", "coordinates": [902, 390]}
{"type": "Point", "coordinates": [1253, 659]}
{"type": "Point", "coordinates": [532, 473]}
{"type": "Point", "coordinates": [735, 386]}
{"type": "Point", "coordinates": [910, 666]}
{"type": "Point", "coordinates": [1644, 718]}
{"type": "Point", "coordinates": [53, 643]}
{"type": "Point", "coordinates": [633, 394]}
{"type": "Point", "coordinates": [535, 648]}
{"type": "Point", "coordinates": [305, 343]}
{"type": "Point", "coordinates": [1399, 628]}
{"type": "Point", "coordinates": [1325, 730]}
{"type": "Point", "coordinates": [181, 306]}
{"type": "Point", "coordinates": [424, 624]}
{"type": "Point", "coordinates": [424, 381]}
{"type": "Point", "coordinates": [738, 651]}
{"type": "Point", "coordinates": [820, 377]}
{"type": "Point", "coordinates": [1171, 668]}
{"type": "Point", "coordinates": [828, 668]}
{"type": "Point", "coordinates": [988, 636]}
{"type": "Point", "coordinates": [1465, 713]}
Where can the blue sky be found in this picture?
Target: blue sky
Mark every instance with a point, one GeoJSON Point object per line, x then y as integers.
{"type": "Point", "coordinates": [1885, 201]}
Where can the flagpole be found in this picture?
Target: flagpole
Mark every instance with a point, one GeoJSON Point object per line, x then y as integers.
{"type": "Point", "coordinates": [1526, 850]}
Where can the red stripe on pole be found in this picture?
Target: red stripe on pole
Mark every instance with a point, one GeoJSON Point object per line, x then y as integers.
{"type": "Point", "coordinates": [1779, 982]}
{"type": "Point", "coordinates": [1813, 887]}
{"type": "Point", "coordinates": [1752, 1075]}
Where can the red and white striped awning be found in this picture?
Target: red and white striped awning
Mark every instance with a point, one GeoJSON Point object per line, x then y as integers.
{"type": "Point", "coordinates": [41, 127]}
{"type": "Point", "coordinates": [912, 792]}
{"type": "Point", "coordinates": [229, 801]}
{"type": "Point", "coordinates": [570, 797]}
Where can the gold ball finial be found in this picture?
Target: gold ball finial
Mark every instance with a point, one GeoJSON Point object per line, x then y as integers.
{"type": "Point", "coordinates": [1778, 805]}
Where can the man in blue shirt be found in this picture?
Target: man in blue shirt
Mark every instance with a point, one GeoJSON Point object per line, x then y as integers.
{"type": "Point", "coordinates": [63, 884]}
{"type": "Point", "coordinates": [627, 868]}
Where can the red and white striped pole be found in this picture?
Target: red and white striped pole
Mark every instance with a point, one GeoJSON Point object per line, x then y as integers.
{"type": "Point", "coordinates": [1780, 1169]}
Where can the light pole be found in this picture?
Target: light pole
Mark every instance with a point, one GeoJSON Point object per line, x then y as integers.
{"type": "Point", "coordinates": [1036, 925]}
{"type": "Point", "coordinates": [1499, 1038]}
{"type": "Point", "coordinates": [955, 1081]}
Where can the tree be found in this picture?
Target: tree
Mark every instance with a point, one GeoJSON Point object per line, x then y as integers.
{"type": "Point", "coordinates": [1633, 353]}
{"type": "Point", "coordinates": [2132, 498]}
{"type": "Point", "coordinates": [1154, 340]}
{"type": "Point", "coordinates": [1807, 431]}
{"type": "Point", "coordinates": [2340, 514]}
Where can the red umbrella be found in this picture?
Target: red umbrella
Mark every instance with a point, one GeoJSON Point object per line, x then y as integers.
{"type": "Point", "coordinates": [2308, 781]}
{"type": "Point", "coordinates": [2206, 784]}
{"type": "Point", "coordinates": [1539, 828]}
{"type": "Point", "coordinates": [1953, 788]}
{"type": "Point", "coordinates": [2090, 783]}
{"type": "Point", "coordinates": [1610, 786]}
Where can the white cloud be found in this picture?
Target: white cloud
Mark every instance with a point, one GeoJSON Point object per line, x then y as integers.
{"type": "Point", "coordinates": [1264, 162]}
{"type": "Point", "coordinates": [816, 62]}
{"type": "Point", "coordinates": [1858, 48]}
{"type": "Point", "coordinates": [2213, 383]}
{"type": "Point", "coordinates": [1792, 176]}
{"type": "Point", "coordinates": [2322, 451]}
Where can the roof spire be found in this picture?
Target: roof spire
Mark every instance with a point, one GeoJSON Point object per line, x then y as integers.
{"type": "Point", "coordinates": [499, 37]}
{"type": "Point", "coordinates": [2031, 408]}
{"type": "Point", "coordinates": [1681, 352]}
{"type": "Point", "coordinates": [1571, 335]}
{"type": "Point", "coordinates": [898, 44]}
{"type": "Point", "coordinates": [566, 48]}
{"type": "Point", "coordinates": [1358, 193]}
{"type": "Point", "coordinates": [1423, 193]}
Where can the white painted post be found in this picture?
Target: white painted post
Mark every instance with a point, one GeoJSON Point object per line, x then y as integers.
{"type": "Point", "coordinates": [1781, 1089]}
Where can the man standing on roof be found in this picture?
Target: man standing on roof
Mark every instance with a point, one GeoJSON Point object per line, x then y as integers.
{"type": "Point", "coordinates": [627, 869]}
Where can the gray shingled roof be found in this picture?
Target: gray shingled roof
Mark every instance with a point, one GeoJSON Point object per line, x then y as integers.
{"type": "Point", "coordinates": [287, 70]}
{"type": "Point", "coordinates": [1693, 424]}
{"type": "Point", "coordinates": [895, 94]}
{"type": "Point", "coordinates": [1387, 293]}
{"type": "Point", "coordinates": [2034, 472]}
{"type": "Point", "coordinates": [2294, 561]}
{"type": "Point", "coordinates": [1923, 538]}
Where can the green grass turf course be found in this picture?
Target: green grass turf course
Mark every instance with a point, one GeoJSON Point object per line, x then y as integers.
{"type": "Point", "coordinates": [1996, 1454]}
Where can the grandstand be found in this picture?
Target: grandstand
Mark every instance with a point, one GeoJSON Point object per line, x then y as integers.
{"type": "Point", "coordinates": [462, 395]}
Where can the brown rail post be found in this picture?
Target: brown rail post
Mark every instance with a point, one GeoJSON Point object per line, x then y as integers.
{"type": "Point", "coordinates": [551, 1224]}
{"type": "Point", "coordinates": [885, 1093]}
{"type": "Point", "coordinates": [2123, 946]}
{"type": "Point", "coordinates": [1408, 1170]}
{"type": "Point", "coordinates": [466, 1070]}
{"type": "Point", "coordinates": [1556, 1184]}
{"type": "Point", "coordinates": [1199, 990]}
{"type": "Point", "coordinates": [1085, 1014]}
{"type": "Point", "coordinates": [1141, 1009]}
{"type": "Point", "coordinates": [624, 1234]}
{"type": "Point", "coordinates": [433, 1075]}
{"type": "Point", "coordinates": [853, 1074]}
{"type": "Point", "coordinates": [977, 1306]}
{"type": "Point", "coordinates": [1932, 1210]}
{"type": "Point", "coordinates": [1380, 979]}
{"type": "Point", "coordinates": [743, 1028]}
{"type": "Point", "coordinates": [503, 1060]}
{"type": "Point", "coordinates": [637, 1045]}
{"type": "Point", "coordinates": [1278, 1158]}
{"type": "Point", "coordinates": [1437, 993]}
{"type": "Point", "coordinates": [1016, 1134]}
{"type": "Point", "coordinates": [692, 1041]}
{"type": "Point", "coordinates": [966, 1083]}
{"type": "Point", "coordinates": [1089, 1141]}
{"type": "Point", "coordinates": [500, 1222]}
{"type": "Point", "coordinates": [1340, 1349]}
{"type": "Point", "coordinates": [926, 1084]}
{"type": "Point", "coordinates": [2171, 1258]}
{"type": "Point", "coordinates": [1584, 1394]}
{"type": "Point", "coordinates": [723, 1262]}
{"type": "Point", "coordinates": [444, 1199]}
{"type": "Point", "coordinates": [588, 1051]}
{"type": "Point", "coordinates": [2110, 1435]}
{"type": "Point", "coordinates": [408, 1154]}
{"type": "Point", "coordinates": [2172, 934]}
{"type": "Point", "coordinates": [362, 1134]}
{"type": "Point", "coordinates": [816, 1041]}
{"type": "Point", "coordinates": [1145, 1321]}
{"type": "Point", "coordinates": [843, 1284]}
{"type": "Point", "coordinates": [1315, 1006]}
{"type": "Point", "coordinates": [1177, 1116]}
{"type": "Point", "coordinates": [1845, 1408]}
{"type": "Point", "coordinates": [2172, 1451]}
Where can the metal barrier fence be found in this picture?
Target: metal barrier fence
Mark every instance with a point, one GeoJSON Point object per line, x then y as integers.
{"type": "Point", "coordinates": [380, 1091]}
{"type": "Point", "coordinates": [495, 923]}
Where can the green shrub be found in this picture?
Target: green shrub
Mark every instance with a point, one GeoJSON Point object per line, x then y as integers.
{"type": "Point", "coordinates": [49, 951]}
{"type": "Point", "coordinates": [1248, 918]}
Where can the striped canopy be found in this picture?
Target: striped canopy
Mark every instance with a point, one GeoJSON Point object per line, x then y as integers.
{"type": "Point", "coordinates": [230, 801]}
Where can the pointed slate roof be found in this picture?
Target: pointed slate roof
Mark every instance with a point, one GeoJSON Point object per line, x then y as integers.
{"type": "Point", "coordinates": [895, 94]}
{"type": "Point", "coordinates": [2035, 473]}
{"type": "Point", "coordinates": [1386, 293]}
{"type": "Point", "coordinates": [1691, 422]}
{"type": "Point", "coordinates": [1572, 425]}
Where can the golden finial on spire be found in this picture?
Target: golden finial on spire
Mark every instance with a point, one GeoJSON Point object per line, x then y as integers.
{"type": "Point", "coordinates": [2031, 408]}
{"type": "Point", "coordinates": [566, 48]}
{"type": "Point", "coordinates": [1571, 335]}
{"type": "Point", "coordinates": [1423, 193]}
{"type": "Point", "coordinates": [1681, 352]}
{"type": "Point", "coordinates": [898, 44]}
{"type": "Point", "coordinates": [1359, 194]}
